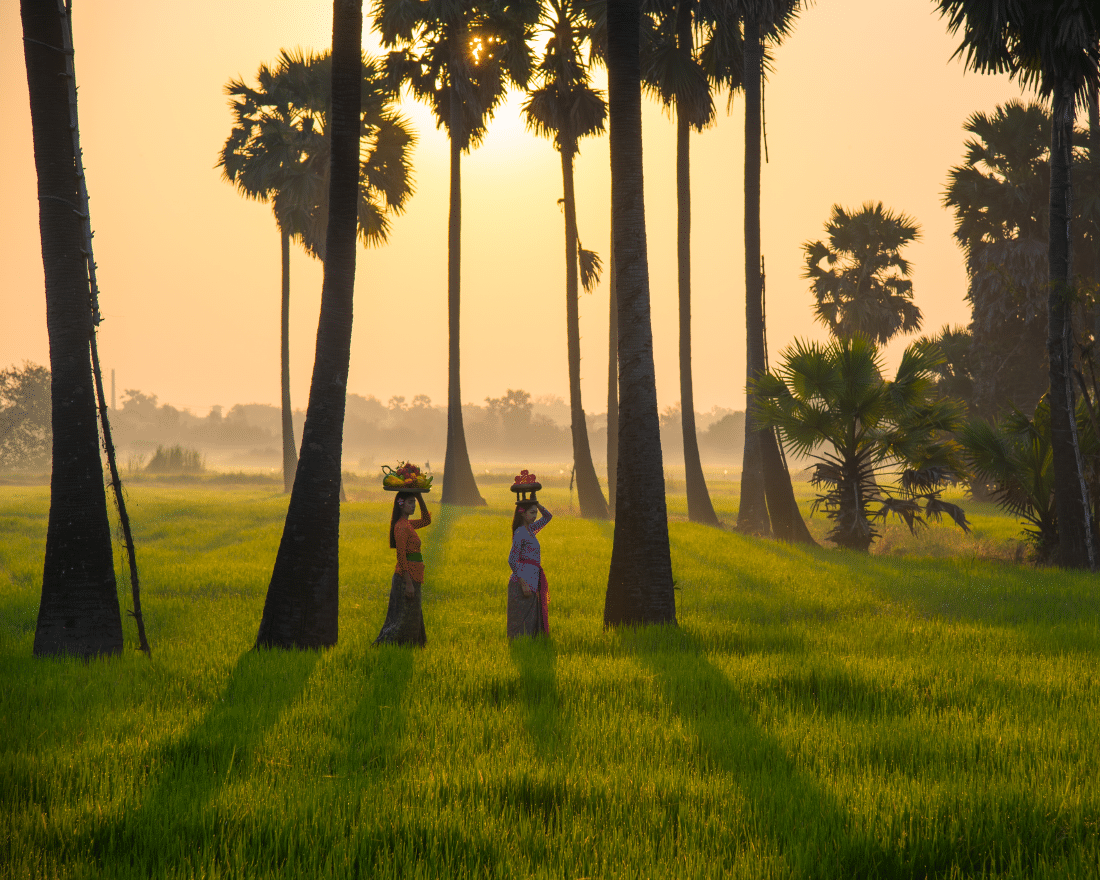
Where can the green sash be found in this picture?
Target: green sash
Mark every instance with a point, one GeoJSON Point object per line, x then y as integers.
{"type": "Point", "coordinates": [414, 557]}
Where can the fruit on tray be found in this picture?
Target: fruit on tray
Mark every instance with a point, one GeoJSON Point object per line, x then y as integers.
{"type": "Point", "coordinates": [406, 475]}
{"type": "Point", "coordinates": [525, 477]}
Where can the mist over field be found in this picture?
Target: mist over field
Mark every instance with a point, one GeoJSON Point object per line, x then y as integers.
{"type": "Point", "coordinates": [514, 429]}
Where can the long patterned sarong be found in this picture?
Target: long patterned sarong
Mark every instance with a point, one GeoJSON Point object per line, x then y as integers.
{"type": "Point", "coordinates": [404, 618]}
{"type": "Point", "coordinates": [528, 615]}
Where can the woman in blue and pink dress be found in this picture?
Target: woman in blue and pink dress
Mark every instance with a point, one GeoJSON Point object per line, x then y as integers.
{"type": "Point", "coordinates": [528, 594]}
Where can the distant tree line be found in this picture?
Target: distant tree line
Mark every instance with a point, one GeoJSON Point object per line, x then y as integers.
{"type": "Point", "coordinates": [514, 427]}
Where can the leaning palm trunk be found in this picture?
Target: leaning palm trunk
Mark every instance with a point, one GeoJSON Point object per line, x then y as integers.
{"type": "Point", "coordinates": [612, 378]}
{"type": "Point", "coordinates": [79, 612]}
{"type": "Point", "coordinates": [1075, 545]}
{"type": "Point", "coordinates": [459, 486]}
{"type": "Point", "coordinates": [752, 514]}
{"type": "Point", "coordinates": [768, 505]}
{"type": "Point", "coordinates": [302, 606]}
{"type": "Point", "coordinates": [700, 508]}
{"type": "Point", "coordinates": [639, 583]}
{"type": "Point", "coordinates": [290, 456]}
{"type": "Point", "coordinates": [589, 493]}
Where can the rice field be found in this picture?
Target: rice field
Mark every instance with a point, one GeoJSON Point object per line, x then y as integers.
{"type": "Point", "coordinates": [932, 709]}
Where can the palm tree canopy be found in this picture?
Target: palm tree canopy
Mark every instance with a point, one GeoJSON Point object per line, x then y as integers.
{"type": "Point", "coordinates": [279, 149]}
{"type": "Point", "coordinates": [464, 51]}
{"type": "Point", "coordinates": [835, 393]}
{"type": "Point", "coordinates": [1002, 190]}
{"type": "Point", "coordinates": [863, 286]}
{"type": "Point", "coordinates": [1042, 43]}
{"type": "Point", "coordinates": [563, 105]}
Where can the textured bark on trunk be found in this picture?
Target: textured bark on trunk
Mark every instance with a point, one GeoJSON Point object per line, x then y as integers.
{"type": "Point", "coordinates": [589, 494]}
{"type": "Point", "coordinates": [700, 508]}
{"type": "Point", "coordinates": [290, 455]}
{"type": "Point", "coordinates": [1075, 546]}
{"type": "Point", "coordinates": [302, 605]}
{"type": "Point", "coordinates": [752, 514]}
{"type": "Point", "coordinates": [79, 612]}
{"type": "Point", "coordinates": [639, 585]}
{"type": "Point", "coordinates": [459, 485]}
{"type": "Point", "coordinates": [612, 376]}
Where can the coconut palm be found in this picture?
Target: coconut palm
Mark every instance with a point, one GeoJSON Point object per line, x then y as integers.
{"type": "Point", "coordinates": [79, 612]}
{"type": "Point", "coordinates": [833, 398]}
{"type": "Point", "coordinates": [459, 58]}
{"type": "Point", "coordinates": [279, 152]}
{"type": "Point", "coordinates": [767, 503]}
{"type": "Point", "coordinates": [680, 71]}
{"type": "Point", "coordinates": [563, 106]}
{"type": "Point", "coordinates": [1051, 46]}
{"type": "Point", "coordinates": [639, 583]}
{"type": "Point", "coordinates": [302, 605]}
{"type": "Point", "coordinates": [863, 286]}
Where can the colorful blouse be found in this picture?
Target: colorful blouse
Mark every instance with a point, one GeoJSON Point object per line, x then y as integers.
{"type": "Point", "coordinates": [407, 541]}
{"type": "Point", "coordinates": [526, 556]}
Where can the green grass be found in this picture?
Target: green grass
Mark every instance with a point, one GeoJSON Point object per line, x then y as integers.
{"type": "Point", "coordinates": [928, 710]}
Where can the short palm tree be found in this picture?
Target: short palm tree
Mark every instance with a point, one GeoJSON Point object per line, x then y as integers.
{"type": "Point", "coordinates": [831, 402]}
{"type": "Point", "coordinates": [279, 152]}
{"type": "Point", "coordinates": [460, 59]}
{"type": "Point", "coordinates": [1014, 458]}
{"type": "Point", "coordinates": [563, 106]}
{"type": "Point", "coordinates": [860, 280]}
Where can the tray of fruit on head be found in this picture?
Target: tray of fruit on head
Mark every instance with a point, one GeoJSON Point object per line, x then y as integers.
{"type": "Point", "coordinates": [406, 477]}
{"type": "Point", "coordinates": [525, 483]}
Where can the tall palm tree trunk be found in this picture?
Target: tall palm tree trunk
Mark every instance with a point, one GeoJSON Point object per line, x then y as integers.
{"type": "Point", "coordinates": [79, 611]}
{"type": "Point", "coordinates": [752, 515]}
{"type": "Point", "coordinates": [459, 486]}
{"type": "Point", "coordinates": [303, 599]}
{"type": "Point", "coordinates": [639, 583]}
{"type": "Point", "coordinates": [290, 455]}
{"type": "Point", "coordinates": [700, 508]}
{"type": "Point", "coordinates": [1075, 545]}
{"type": "Point", "coordinates": [589, 494]}
{"type": "Point", "coordinates": [612, 377]}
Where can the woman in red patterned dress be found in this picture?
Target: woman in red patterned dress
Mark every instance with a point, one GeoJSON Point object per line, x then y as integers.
{"type": "Point", "coordinates": [405, 617]}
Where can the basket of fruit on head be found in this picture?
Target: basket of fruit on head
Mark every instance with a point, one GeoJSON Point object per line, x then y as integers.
{"type": "Point", "coordinates": [406, 477]}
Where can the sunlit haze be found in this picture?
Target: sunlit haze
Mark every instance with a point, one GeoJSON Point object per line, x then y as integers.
{"type": "Point", "coordinates": [863, 104]}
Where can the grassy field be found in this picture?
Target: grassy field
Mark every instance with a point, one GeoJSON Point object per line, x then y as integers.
{"type": "Point", "coordinates": [932, 709]}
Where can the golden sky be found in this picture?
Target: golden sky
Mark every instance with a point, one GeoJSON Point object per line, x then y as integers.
{"type": "Point", "coordinates": [863, 104]}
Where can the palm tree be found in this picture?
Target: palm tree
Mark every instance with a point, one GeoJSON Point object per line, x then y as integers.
{"type": "Point", "coordinates": [833, 397]}
{"type": "Point", "coordinates": [460, 59]}
{"type": "Point", "coordinates": [681, 73]}
{"type": "Point", "coordinates": [564, 107]}
{"type": "Point", "coordinates": [1052, 46]}
{"type": "Point", "coordinates": [639, 582]}
{"type": "Point", "coordinates": [1001, 198]}
{"type": "Point", "coordinates": [279, 151]}
{"type": "Point", "coordinates": [302, 605]}
{"type": "Point", "coordinates": [864, 286]}
{"type": "Point", "coordinates": [767, 504]}
{"type": "Point", "coordinates": [79, 612]}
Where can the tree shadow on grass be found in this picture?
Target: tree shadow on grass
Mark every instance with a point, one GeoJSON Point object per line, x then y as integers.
{"type": "Point", "coordinates": [172, 824]}
{"type": "Point", "coordinates": [536, 659]}
{"type": "Point", "coordinates": [804, 826]}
